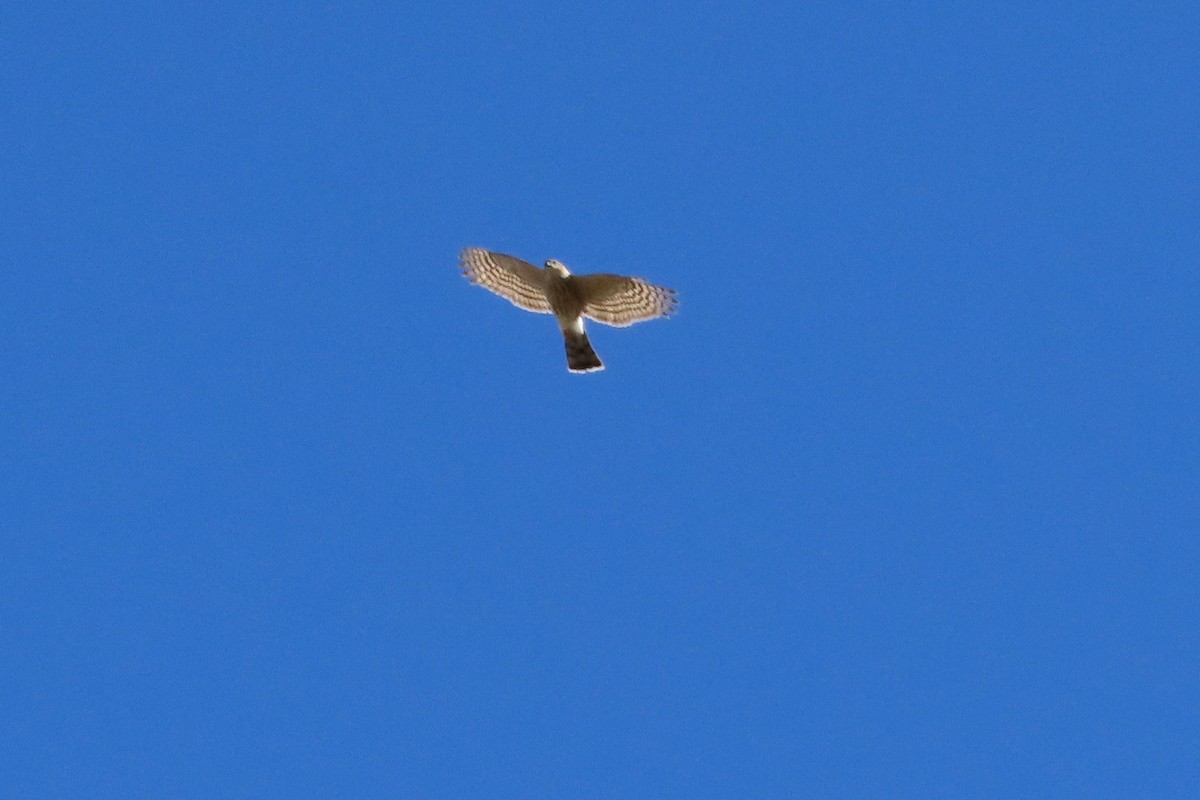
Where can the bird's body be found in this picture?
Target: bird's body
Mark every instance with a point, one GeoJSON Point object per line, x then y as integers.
{"type": "Point", "coordinates": [616, 300]}
{"type": "Point", "coordinates": [568, 305]}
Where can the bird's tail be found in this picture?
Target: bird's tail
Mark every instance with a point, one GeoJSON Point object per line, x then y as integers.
{"type": "Point", "coordinates": [580, 355]}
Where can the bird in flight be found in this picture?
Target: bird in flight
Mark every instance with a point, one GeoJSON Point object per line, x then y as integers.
{"type": "Point", "coordinates": [616, 300]}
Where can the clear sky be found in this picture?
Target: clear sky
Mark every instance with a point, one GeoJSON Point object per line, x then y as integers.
{"type": "Point", "coordinates": [904, 502]}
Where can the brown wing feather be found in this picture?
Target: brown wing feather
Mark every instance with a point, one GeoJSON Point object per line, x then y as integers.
{"type": "Point", "coordinates": [621, 300]}
{"type": "Point", "coordinates": [517, 281]}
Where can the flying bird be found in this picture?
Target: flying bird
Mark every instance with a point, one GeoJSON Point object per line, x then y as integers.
{"type": "Point", "coordinates": [616, 300]}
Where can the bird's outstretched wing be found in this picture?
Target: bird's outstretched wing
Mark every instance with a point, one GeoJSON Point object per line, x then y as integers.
{"type": "Point", "coordinates": [620, 300]}
{"type": "Point", "coordinates": [517, 281]}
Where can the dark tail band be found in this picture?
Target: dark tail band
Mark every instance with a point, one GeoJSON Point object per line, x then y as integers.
{"type": "Point", "coordinates": [580, 355]}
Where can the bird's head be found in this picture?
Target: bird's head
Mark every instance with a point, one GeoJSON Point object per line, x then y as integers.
{"type": "Point", "coordinates": [558, 267]}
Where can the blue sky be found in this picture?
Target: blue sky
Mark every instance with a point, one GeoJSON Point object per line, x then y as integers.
{"type": "Point", "coordinates": [902, 503]}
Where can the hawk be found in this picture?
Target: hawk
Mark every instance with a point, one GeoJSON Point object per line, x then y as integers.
{"type": "Point", "coordinates": [616, 300]}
